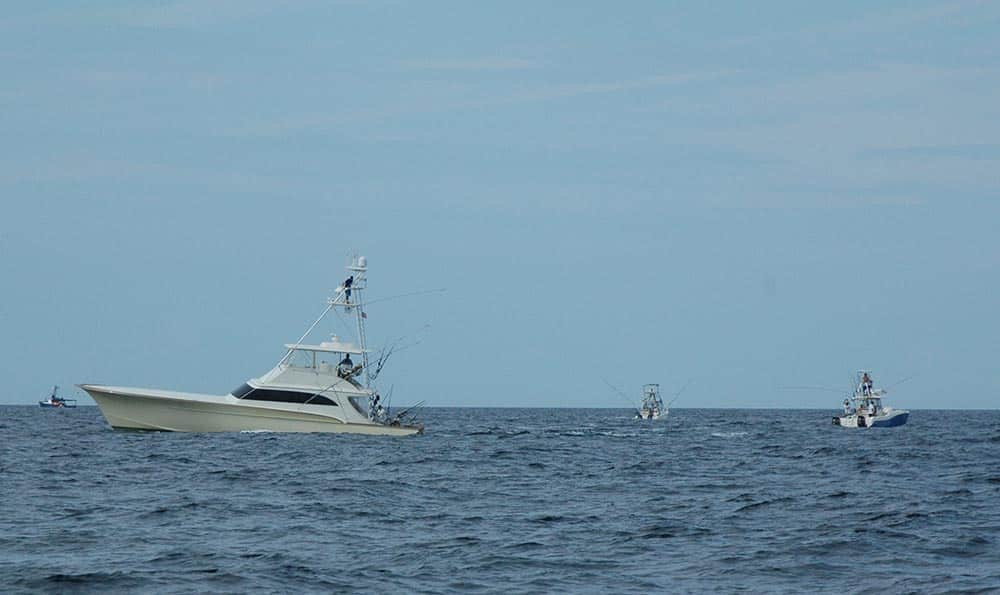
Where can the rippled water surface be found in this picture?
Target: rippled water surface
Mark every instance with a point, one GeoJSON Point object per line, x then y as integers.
{"type": "Point", "coordinates": [506, 500]}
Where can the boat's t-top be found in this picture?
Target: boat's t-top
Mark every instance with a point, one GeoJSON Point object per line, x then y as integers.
{"type": "Point", "coordinates": [866, 398]}
{"type": "Point", "coordinates": [651, 395]}
{"type": "Point", "coordinates": [327, 357]}
{"type": "Point", "coordinates": [652, 404]}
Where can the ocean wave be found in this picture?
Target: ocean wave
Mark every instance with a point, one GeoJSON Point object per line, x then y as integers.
{"type": "Point", "coordinates": [516, 500]}
{"type": "Point", "coordinates": [729, 434]}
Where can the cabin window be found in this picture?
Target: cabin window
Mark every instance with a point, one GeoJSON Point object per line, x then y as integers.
{"type": "Point", "coordinates": [242, 391]}
{"type": "Point", "coordinates": [280, 396]}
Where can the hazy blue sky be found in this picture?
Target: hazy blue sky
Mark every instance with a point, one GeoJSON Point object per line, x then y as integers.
{"type": "Point", "coordinates": [748, 195]}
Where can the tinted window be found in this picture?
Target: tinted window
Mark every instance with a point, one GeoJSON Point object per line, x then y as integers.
{"type": "Point", "coordinates": [279, 396]}
{"type": "Point", "coordinates": [242, 391]}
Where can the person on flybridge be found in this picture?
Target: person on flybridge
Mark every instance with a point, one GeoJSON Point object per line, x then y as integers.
{"type": "Point", "coordinates": [346, 367]}
{"type": "Point", "coordinates": [866, 385]}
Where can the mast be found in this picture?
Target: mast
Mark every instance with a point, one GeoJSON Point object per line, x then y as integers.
{"type": "Point", "coordinates": [350, 297]}
{"type": "Point", "coordinates": [359, 270]}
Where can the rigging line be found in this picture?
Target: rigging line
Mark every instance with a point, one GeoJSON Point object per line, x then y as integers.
{"type": "Point", "coordinates": [898, 382]}
{"type": "Point", "coordinates": [346, 326]}
{"type": "Point", "coordinates": [395, 343]}
{"type": "Point", "coordinates": [329, 389]}
{"type": "Point", "coordinates": [305, 334]}
{"type": "Point", "coordinates": [388, 399]}
{"type": "Point", "coordinates": [403, 295]}
{"type": "Point", "coordinates": [408, 409]}
{"type": "Point", "coordinates": [329, 306]}
{"type": "Point", "coordinates": [826, 388]}
{"type": "Point", "coordinates": [620, 393]}
{"type": "Point", "coordinates": [405, 347]}
{"type": "Point", "coordinates": [678, 393]}
{"type": "Point", "coordinates": [288, 353]}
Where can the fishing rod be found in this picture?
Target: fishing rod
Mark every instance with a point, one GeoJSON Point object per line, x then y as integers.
{"type": "Point", "coordinates": [394, 346]}
{"type": "Point", "coordinates": [399, 416]}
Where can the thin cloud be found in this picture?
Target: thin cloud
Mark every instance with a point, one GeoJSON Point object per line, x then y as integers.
{"type": "Point", "coordinates": [470, 65]}
{"type": "Point", "coordinates": [85, 170]}
{"type": "Point", "coordinates": [957, 13]}
{"type": "Point", "coordinates": [575, 90]}
{"type": "Point", "coordinates": [525, 96]}
{"type": "Point", "coordinates": [811, 200]}
{"type": "Point", "coordinates": [190, 13]}
{"type": "Point", "coordinates": [988, 152]}
{"type": "Point", "coordinates": [160, 15]}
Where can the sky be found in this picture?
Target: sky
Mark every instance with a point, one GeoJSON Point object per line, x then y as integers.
{"type": "Point", "coordinates": [737, 198]}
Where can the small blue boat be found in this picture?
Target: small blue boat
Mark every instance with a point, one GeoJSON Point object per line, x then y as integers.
{"type": "Point", "coordinates": [57, 402]}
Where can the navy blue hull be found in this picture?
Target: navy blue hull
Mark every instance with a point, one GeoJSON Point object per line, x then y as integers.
{"type": "Point", "coordinates": [896, 420]}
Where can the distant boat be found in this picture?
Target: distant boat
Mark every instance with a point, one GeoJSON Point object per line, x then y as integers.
{"type": "Point", "coordinates": [652, 405]}
{"type": "Point", "coordinates": [57, 401]}
{"type": "Point", "coordinates": [864, 408]}
{"type": "Point", "coordinates": [307, 391]}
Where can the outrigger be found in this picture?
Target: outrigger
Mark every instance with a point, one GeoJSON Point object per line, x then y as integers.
{"type": "Point", "coordinates": [864, 408]}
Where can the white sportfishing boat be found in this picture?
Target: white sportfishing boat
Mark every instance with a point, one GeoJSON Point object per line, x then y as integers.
{"type": "Point", "coordinates": [864, 408]}
{"type": "Point", "coordinates": [313, 388]}
{"type": "Point", "coordinates": [652, 405]}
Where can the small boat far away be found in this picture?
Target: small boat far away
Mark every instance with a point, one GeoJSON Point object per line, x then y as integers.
{"type": "Point", "coordinates": [307, 391]}
{"type": "Point", "coordinates": [57, 401]}
{"type": "Point", "coordinates": [652, 405]}
{"type": "Point", "coordinates": [864, 408]}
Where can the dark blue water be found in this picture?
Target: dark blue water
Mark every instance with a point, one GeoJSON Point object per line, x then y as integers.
{"type": "Point", "coordinates": [506, 500]}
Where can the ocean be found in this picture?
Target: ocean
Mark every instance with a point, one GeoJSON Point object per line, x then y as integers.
{"type": "Point", "coordinates": [506, 501]}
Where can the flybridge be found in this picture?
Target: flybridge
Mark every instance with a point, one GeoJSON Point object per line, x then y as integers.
{"type": "Point", "coordinates": [334, 345]}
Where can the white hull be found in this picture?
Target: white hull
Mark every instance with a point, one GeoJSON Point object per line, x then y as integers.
{"type": "Point", "coordinates": [888, 418]}
{"type": "Point", "coordinates": [145, 409]}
